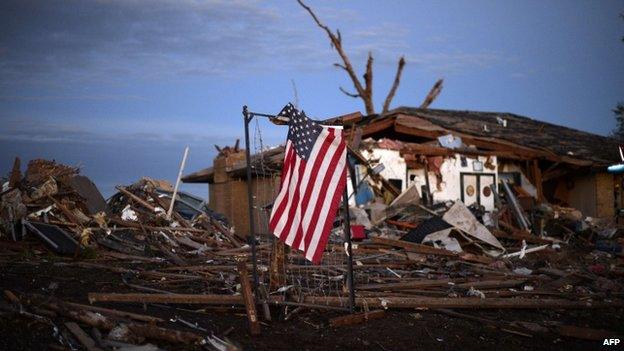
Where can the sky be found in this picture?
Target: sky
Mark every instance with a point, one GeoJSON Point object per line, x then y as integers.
{"type": "Point", "coordinates": [119, 88]}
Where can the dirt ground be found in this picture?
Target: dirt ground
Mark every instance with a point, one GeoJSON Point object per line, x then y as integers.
{"type": "Point", "coordinates": [307, 330]}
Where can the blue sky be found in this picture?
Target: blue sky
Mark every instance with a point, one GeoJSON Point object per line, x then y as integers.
{"type": "Point", "coordinates": [120, 87]}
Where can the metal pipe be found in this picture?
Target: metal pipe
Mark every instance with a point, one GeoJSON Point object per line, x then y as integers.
{"type": "Point", "coordinates": [251, 237]}
{"type": "Point", "coordinates": [177, 184]}
{"type": "Point", "coordinates": [515, 206]}
{"type": "Point", "coordinates": [347, 233]}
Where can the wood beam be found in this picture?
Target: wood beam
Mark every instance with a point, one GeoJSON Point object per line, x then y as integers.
{"type": "Point", "coordinates": [463, 303]}
{"type": "Point", "coordinates": [537, 177]}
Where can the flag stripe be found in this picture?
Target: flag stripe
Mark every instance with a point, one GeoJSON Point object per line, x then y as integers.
{"type": "Point", "coordinates": [284, 185]}
{"type": "Point", "coordinates": [294, 201]}
{"type": "Point", "coordinates": [317, 253]}
{"type": "Point", "coordinates": [315, 168]}
{"type": "Point", "coordinates": [293, 226]}
{"type": "Point", "coordinates": [326, 215]}
{"type": "Point", "coordinates": [313, 217]}
{"type": "Point", "coordinates": [294, 180]}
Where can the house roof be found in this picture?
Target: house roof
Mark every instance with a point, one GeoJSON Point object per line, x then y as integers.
{"type": "Point", "coordinates": [506, 133]}
{"type": "Point", "coordinates": [506, 130]}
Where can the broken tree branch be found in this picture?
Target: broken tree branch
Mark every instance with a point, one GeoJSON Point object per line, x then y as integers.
{"type": "Point", "coordinates": [395, 85]}
{"type": "Point", "coordinates": [348, 93]}
{"type": "Point", "coordinates": [433, 94]}
{"type": "Point", "coordinates": [336, 40]}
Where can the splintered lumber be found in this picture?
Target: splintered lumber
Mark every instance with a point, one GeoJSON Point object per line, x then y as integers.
{"type": "Point", "coordinates": [142, 202]}
{"type": "Point", "coordinates": [428, 283]}
{"type": "Point", "coordinates": [461, 303]}
{"type": "Point", "coordinates": [248, 297]}
{"type": "Point", "coordinates": [518, 235]}
{"type": "Point", "coordinates": [413, 247]}
{"type": "Point", "coordinates": [153, 332]}
{"type": "Point", "coordinates": [116, 313]}
{"type": "Point", "coordinates": [135, 225]}
{"type": "Point", "coordinates": [122, 256]}
{"type": "Point", "coordinates": [82, 337]}
{"type": "Point", "coordinates": [277, 277]}
{"type": "Point", "coordinates": [174, 298]}
{"type": "Point", "coordinates": [492, 284]}
{"type": "Point", "coordinates": [356, 318]}
{"type": "Point", "coordinates": [172, 257]}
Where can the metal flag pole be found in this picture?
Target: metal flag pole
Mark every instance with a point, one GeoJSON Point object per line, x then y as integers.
{"type": "Point", "coordinates": [248, 117]}
{"type": "Point", "coordinates": [251, 237]}
{"type": "Point", "coordinates": [347, 233]}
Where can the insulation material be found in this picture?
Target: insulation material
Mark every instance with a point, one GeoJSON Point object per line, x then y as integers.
{"type": "Point", "coordinates": [443, 240]}
{"type": "Point", "coordinates": [128, 214]}
{"type": "Point", "coordinates": [461, 217]}
{"type": "Point", "coordinates": [359, 217]}
{"type": "Point", "coordinates": [450, 141]}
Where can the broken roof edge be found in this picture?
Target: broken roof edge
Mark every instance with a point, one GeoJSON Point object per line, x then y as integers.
{"type": "Point", "coordinates": [205, 175]}
{"type": "Point", "coordinates": [270, 157]}
{"type": "Point", "coordinates": [548, 140]}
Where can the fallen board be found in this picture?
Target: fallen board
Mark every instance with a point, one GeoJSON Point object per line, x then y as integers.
{"type": "Point", "coordinates": [54, 237]}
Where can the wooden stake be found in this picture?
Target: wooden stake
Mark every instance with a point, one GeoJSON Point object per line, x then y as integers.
{"type": "Point", "coordinates": [249, 299]}
{"type": "Point", "coordinates": [277, 267]}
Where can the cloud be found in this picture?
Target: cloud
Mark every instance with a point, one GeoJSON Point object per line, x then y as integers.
{"type": "Point", "coordinates": [91, 97]}
{"type": "Point", "coordinates": [36, 130]}
{"type": "Point", "coordinates": [44, 42]}
{"type": "Point", "coordinates": [101, 40]}
{"type": "Point", "coordinates": [457, 61]}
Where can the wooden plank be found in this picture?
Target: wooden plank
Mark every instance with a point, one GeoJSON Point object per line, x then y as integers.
{"type": "Point", "coordinates": [413, 247]}
{"type": "Point", "coordinates": [422, 283]}
{"type": "Point", "coordinates": [82, 337]}
{"type": "Point", "coordinates": [116, 313]}
{"type": "Point", "coordinates": [137, 199]}
{"type": "Point", "coordinates": [462, 303]}
{"type": "Point", "coordinates": [204, 299]}
{"type": "Point", "coordinates": [537, 176]}
{"type": "Point", "coordinates": [277, 268]}
{"type": "Point", "coordinates": [493, 284]}
{"type": "Point", "coordinates": [248, 297]}
{"type": "Point", "coordinates": [172, 257]}
{"type": "Point", "coordinates": [356, 318]}
{"type": "Point", "coordinates": [377, 126]}
{"type": "Point", "coordinates": [159, 333]}
{"type": "Point", "coordinates": [167, 298]}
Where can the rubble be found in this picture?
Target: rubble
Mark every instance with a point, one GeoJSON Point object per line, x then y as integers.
{"type": "Point", "coordinates": [440, 258]}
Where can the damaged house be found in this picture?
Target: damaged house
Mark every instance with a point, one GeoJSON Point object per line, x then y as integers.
{"type": "Point", "coordinates": [444, 155]}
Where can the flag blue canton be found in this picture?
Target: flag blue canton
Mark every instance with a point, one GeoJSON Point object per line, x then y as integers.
{"type": "Point", "coordinates": [302, 131]}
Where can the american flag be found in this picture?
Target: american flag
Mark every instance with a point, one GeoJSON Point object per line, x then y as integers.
{"type": "Point", "coordinates": [313, 180]}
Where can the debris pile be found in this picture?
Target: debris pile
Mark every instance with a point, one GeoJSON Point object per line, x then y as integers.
{"type": "Point", "coordinates": [408, 254]}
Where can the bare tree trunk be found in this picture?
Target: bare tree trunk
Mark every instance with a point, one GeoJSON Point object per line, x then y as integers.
{"type": "Point", "coordinates": [365, 91]}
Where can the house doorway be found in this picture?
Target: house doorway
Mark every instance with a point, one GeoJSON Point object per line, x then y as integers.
{"type": "Point", "coordinates": [475, 188]}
